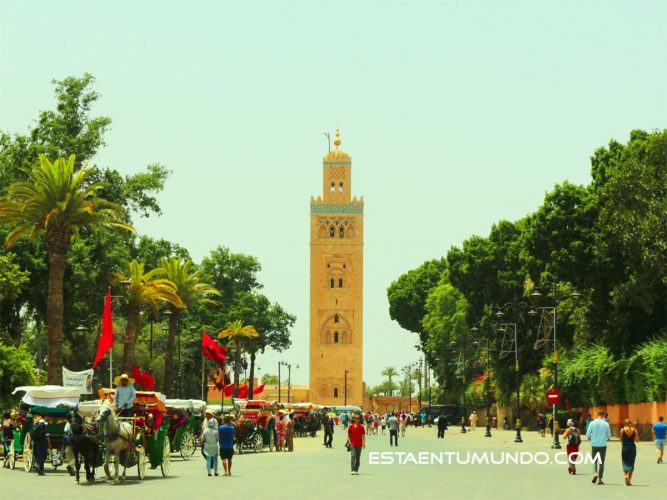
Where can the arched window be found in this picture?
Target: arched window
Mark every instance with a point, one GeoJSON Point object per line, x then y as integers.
{"type": "Point", "coordinates": [335, 392]}
{"type": "Point", "coordinates": [332, 232]}
{"type": "Point", "coordinates": [333, 187]}
{"type": "Point", "coordinates": [340, 282]}
{"type": "Point", "coordinates": [335, 337]}
{"type": "Point", "coordinates": [323, 391]}
{"type": "Point", "coordinates": [341, 232]}
{"type": "Point", "coordinates": [336, 318]}
{"type": "Point", "coordinates": [340, 187]}
{"type": "Point", "coordinates": [332, 281]}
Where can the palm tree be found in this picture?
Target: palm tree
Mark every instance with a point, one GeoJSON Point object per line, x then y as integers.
{"type": "Point", "coordinates": [57, 200]}
{"type": "Point", "coordinates": [236, 332]}
{"type": "Point", "coordinates": [191, 291]}
{"type": "Point", "coordinates": [390, 372]}
{"type": "Point", "coordinates": [144, 289]}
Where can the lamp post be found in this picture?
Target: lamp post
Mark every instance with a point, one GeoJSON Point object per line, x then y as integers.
{"type": "Point", "coordinates": [514, 307]}
{"type": "Point", "coordinates": [551, 288]}
{"type": "Point", "coordinates": [486, 341]}
{"type": "Point", "coordinates": [279, 364]}
{"type": "Point", "coordinates": [345, 387]}
{"type": "Point", "coordinates": [419, 380]}
{"type": "Point", "coordinates": [289, 378]}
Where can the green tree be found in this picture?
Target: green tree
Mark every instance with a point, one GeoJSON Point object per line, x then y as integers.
{"type": "Point", "coordinates": [17, 368]}
{"type": "Point", "coordinates": [192, 291]}
{"type": "Point", "coordinates": [143, 289]}
{"type": "Point", "coordinates": [407, 295]}
{"type": "Point", "coordinates": [57, 201]}
{"type": "Point", "coordinates": [237, 333]}
{"type": "Point", "coordinates": [269, 379]}
{"type": "Point", "coordinates": [12, 281]}
{"type": "Point", "coordinates": [390, 372]}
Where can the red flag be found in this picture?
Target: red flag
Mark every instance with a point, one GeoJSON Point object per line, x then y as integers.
{"type": "Point", "coordinates": [243, 391]}
{"type": "Point", "coordinates": [259, 389]}
{"type": "Point", "coordinates": [212, 349]}
{"type": "Point", "coordinates": [144, 379]}
{"type": "Point", "coordinates": [229, 390]}
{"type": "Point", "coordinates": [106, 336]}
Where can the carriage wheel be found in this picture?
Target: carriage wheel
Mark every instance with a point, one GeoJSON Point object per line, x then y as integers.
{"type": "Point", "coordinates": [166, 457]}
{"type": "Point", "coordinates": [187, 445]}
{"type": "Point", "coordinates": [28, 457]}
{"type": "Point", "coordinates": [141, 463]}
{"type": "Point", "coordinates": [12, 455]}
{"type": "Point", "coordinates": [258, 443]}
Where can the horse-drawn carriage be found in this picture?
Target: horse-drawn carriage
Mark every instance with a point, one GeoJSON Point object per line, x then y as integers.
{"type": "Point", "coordinates": [186, 417]}
{"type": "Point", "coordinates": [139, 440]}
{"type": "Point", "coordinates": [307, 419]}
{"type": "Point", "coordinates": [51, 401]}
{"type": "Point", "coordinates": [255, 425]}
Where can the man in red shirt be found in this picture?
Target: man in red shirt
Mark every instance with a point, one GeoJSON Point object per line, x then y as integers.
{"type": "Point", "coordinates": [356, 438]}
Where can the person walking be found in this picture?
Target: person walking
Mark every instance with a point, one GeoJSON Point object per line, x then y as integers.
{"type": "Point", "coordinates": [404, 419]}
{"type": "Point", "coordinates": [289, 431]}
{"type": "Point", "coordinates": [473, 420]}
{"type": "Point", "coordinates": [226, 433]}
{"type": "Point", "coordinates": [209, 445]}
{"type": "Point", "coordinates": [344, 419]}
{"type": "Point", "coordinates": [599, 433]}
{"type": "Point", "coordinates": [573, 439]}
{"type": "Point", "coordinates": [442, 426]}
{"type": "Point", "coordinates": [383, 424]}
{"type": "Point", "coordinates": [629, 437]}
{"type": "Point", "coordinates": [660, 431]}
{"type": "Point", "coordinates": [376, 423]}
{"type": "Point", "coordinates": [9, 425]}
{"type": "Point", "coordinates": [542, 424]}
{"type": "Point", "coordinates": [328, 431]}
{"type": "Point", "coordinates": [356, 441]}
{"type": "Point", "coordinates": [281, 431]}
{"type": "Point", "coordinates": [41, 442]}
{"type": "Point", "coordinates": [393, 430]}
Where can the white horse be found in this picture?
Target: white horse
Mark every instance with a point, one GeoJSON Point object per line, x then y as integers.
{"type": "Point", "coordinates": [117, 441]}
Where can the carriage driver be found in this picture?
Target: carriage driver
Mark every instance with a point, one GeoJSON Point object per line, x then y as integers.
{"type": "Point", "coordinates": [123, 400]}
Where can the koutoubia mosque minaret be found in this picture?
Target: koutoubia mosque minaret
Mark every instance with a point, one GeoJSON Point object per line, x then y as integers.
{"type": "Point", "coordinates": [336, 285]}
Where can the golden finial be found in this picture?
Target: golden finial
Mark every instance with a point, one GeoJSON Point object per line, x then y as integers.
{"type": "Point", "coordinates": [337, 140]}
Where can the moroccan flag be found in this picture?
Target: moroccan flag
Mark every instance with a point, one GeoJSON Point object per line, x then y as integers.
{"type": "Point", "coordinates": [144, 379]}
{"type": "Point", "coordinates": [259, 389]}
{"type": "Point", "coordinates": [106, 336]}
{"type": "Point", "coordinates": [243, 391]}
{"type": "Point", "coordinates": [228, 390]}
{"type": "Point", "coordinates": [212, 349]}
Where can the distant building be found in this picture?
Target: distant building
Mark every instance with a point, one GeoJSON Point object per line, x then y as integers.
{"type": "Point", "coordinates": [336, 285]}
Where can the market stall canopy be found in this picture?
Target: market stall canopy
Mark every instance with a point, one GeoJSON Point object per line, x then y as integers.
{"type": "Point", "coordinates": [49, 396]}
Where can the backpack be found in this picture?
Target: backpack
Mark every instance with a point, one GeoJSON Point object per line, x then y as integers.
{"type": "Point", "coordinates": [574, 438]}
{"type": "Point", "coordinates": [38, 432]}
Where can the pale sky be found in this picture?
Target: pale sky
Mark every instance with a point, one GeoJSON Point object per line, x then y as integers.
{"type": "Point", "coordinates": [456, 114]}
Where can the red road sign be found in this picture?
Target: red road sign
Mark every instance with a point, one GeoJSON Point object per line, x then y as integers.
{"type": "Point", "coordinates": [553, 396]}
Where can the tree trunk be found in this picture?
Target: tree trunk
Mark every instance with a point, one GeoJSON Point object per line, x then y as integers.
{"type": "Point", "coordinates": [130, 338]}
{"type": "Point", "coordinates": [55, 306]}
{"type": "Point", "coordinates": [169, 355]}
{"type": "Point", "coordinates": [251, 383]}
{"type": "Point", "coordinates": [237, 366]}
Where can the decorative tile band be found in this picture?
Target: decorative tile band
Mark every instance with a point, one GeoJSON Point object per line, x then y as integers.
{"type": "Point", "coordinates": [337, 208]}
{"type": "Point", "coordinates": [337, 163]}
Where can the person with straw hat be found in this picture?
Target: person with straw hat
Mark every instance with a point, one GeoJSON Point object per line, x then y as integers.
{"type": "Point", "coordinates": [123, 400]}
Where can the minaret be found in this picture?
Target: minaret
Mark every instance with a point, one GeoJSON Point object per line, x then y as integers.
{"type": "Point", "coordinates": [336, 285]}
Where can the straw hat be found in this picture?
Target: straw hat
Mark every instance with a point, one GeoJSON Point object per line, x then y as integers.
{"type": "Point", "coordinates": [124, 376]}
{"type": "Point", "coordinates": [208, 411]}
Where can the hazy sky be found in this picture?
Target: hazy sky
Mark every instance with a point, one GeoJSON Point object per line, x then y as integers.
{"type": "Point", "coordinates": [456, 114]}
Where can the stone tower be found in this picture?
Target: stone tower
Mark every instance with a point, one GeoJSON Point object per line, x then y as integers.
{"type": "Point", "coordinates": [336, 285]}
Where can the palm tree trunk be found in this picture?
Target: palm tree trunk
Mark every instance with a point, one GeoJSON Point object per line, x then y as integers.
{"type": "Point", "coordinates": [237, 366]}
{"type": "Point", "coordinates": [55, 306]}
{"type": "Point", "coordinates": [169, 354]}
{"type": "Point", "coordinates": [130, 338]}
{"type": "Point", "coordinates": [251, 383]}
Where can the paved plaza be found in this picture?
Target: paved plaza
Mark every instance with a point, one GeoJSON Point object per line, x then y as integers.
{"type": "Point", "coordinates": [313, 471]}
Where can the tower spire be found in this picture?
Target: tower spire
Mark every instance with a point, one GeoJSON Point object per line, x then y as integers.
{"type": "Point", "coordinates": [337, 140]}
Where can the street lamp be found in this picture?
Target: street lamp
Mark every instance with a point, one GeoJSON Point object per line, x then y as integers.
{"type": "Point", "coordinates": [552, 289]}
{"type": "Point", "coordinates": [513, 328]}
{"type": "Point", "coordinates": [289, 378]}
{"type": "Point", "coordinates": [486, 340]}
{"type": "Point", "coordinates": [345, 387]}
